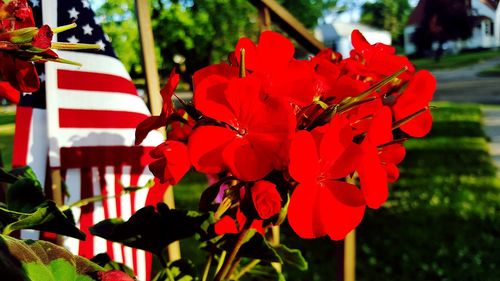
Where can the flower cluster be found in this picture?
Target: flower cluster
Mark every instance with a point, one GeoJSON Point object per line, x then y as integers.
{"type": "Point", "coordinates": [318, 138]}
{"type": "Point", "coordinates": [21, 44]}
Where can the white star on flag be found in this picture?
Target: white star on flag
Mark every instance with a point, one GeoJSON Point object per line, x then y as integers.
{"type": "Point", "coordinates": [101, 45]}
{"type": "Point", "coordinates": [87, 29]}
{"type": "Point", "coordinates": [86, 4]}
{"type": "Point", "coordinates": [35, 3]}
{"type": "Point", "coordinates": [73, 13]}
{"type": "Point", "coordinates": [42, 77]}
{"type": "Point", "coordinates": [73, 39]}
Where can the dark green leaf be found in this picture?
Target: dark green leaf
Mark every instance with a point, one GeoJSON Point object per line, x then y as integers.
{"type": "Point", "coordinates": [179, 270]}
{"type": "Point", "coordinates": [151, 229]}
{"type": "Point", "coordinates": [46, 217]}
{"type": "Point", "coordinates": [263, 272]}
{"type": "Point", "coordinates": [107, 263]}
{"type": "Point", "coordinates": [7, 177]}
{"type": "Point", "coordinates": [25, 195]}
{"type": "Point", "coordinates": [42, 261]}
{"type": "Point", "coordinates": [256, 248]}
{"type": "Point", "coordinates": [292, 257]}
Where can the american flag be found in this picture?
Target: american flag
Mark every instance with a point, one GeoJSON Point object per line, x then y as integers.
{"type": "Point", "coordinates": [82, 121]}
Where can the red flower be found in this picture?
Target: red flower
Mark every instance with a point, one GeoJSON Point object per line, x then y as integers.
{"type": "Point", "coordinates": [8, 92]}
{"type": "Point", "coordinates": [416, 97]}
{"type": "Point", "coordinates": [155, 122]}
{"type": "Point", "coordinates": [272, 61]}
{"type": "Point", "coordinates": [266, 199]}
{"type": "Point", "coordinates": [322, 203]}
{"type": "Point", "coordinates": [229, 225]}
{"type": "Point", "coordinates": [257, 134]}
{"type": "Point", "coordinates": [43, 38]}
{"type": "Point", "coordinates": [19, 73]}
{"type": "Point", "coordinates": [113, 275]}
{"type": "Point", "coordinates": [172, 163]}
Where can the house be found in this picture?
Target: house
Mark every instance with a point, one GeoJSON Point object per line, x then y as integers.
{"type": "Point", "coordinates": [484, 35]}
{"type": "Point", "coordinates": [337, 35]}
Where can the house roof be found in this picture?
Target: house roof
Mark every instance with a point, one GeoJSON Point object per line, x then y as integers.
{"type": "Point", "coordinates": [493, 4]}
{"type": "Point", "coordinates": [417, 14]}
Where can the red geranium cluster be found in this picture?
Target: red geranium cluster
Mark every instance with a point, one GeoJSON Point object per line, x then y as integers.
{"type": "Point", "coordinates": [21, 44]}
{"type": "Point", "coordinates": [325, 132]}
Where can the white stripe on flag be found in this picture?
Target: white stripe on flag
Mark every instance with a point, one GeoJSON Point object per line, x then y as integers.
{"type": "Point", "coordinates": [73, 182]}
{"type": "Point", "coordinates": [38, 144]}
{"type": "Point", "coordinates": [98, 213]}
{"type": "Point", "coordinates": [94, 63]}
{"type": "Point", "coordinates": [74, 99]}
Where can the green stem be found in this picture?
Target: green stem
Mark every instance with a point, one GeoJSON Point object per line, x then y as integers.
{"type": "Point", "coordinates": [206, 270]}
{"type": "Point", "coordinates": [222, 258]}
{"type": "Point", "coordinates": [246, 269]}
{"type": "Point", "coordinates": [229, 261]}
{"type": "Point", "coordinates": [233, 267]}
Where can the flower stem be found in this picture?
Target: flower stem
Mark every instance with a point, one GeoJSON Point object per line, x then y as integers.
{"type": "Point", "coordinates": [246, 269]}
{"type": "Point", "coordinates": [206, 270]}
{"type": "Point", "coordinates": [229, 261]}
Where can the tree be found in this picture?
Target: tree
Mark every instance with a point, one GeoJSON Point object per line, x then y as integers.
{"type": "Point", "coordinates": [201, 31]}
{"type": "Point", "coordinates": [390, 15]}
{"type": "Point", "coordinates": [443, 20]}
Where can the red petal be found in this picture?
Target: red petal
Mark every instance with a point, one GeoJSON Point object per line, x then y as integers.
{"type": "Point", "coordinates": [210, 84]}
{"type": "Point", "coordinates": [418, 126]}
{"type": "Point", "coordinates": [394, 153]}
{"type": "Point", "coordinates": [250, 52]}
{"type": "Point", "coordinates": [174, 165]}
{"type": "Point", "coordinates": [304, 166]}
{"type": "Point", "coordinates": [226, 225]}
{"type": "Point", "coordinates": [168, 91]}
{"type": "Point", "coordinates": [346, 163]}
{"type": "Point", "coordinates": [392, 172]}
{"type": "Point", "coordinates": [206, 145]}
{"type": "Point", "coordinates": [246, 161]}
{"type": "Point", "coordinates": [338, 136]}
{"type": "Point", "coordinates": [8, 92]}
{"type": "Point", "coordinates": [274, 51]}
{"type": "Point", "coordinates": [380, 130]}
{"type": "Point", "coordinates": [147, 125]}
{"type": "Point", "coordinates": [342, 208]}
{"type": "Point", "coordinates": [417, 96]}
{"type": "Point", "coordinates": [296, 83]}
{"type": "Point", "coordinates": [373, 177]}
{"type": "Point", "coordinates": [358, 41]}
{"type": "Point", "coordinates": [304, 212]}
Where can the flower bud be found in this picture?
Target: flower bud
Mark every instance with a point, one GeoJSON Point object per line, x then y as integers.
{"type": "Point", "coordinates": [266, 199]}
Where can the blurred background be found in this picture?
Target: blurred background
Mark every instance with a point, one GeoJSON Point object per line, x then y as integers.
{"type": "Point", "coordinates": [442, 219]}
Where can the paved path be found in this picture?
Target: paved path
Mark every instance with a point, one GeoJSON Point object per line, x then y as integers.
{"type": "Point", "coordinates": [464, 85]}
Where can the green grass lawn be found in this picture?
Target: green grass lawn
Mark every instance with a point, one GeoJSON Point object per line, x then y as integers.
{"type": "Point", "coordinates": [491, 72]}
{"type": "Point", "coordinates": [456, 61]}
{"type": "Point", "coordinates": [6, 137]}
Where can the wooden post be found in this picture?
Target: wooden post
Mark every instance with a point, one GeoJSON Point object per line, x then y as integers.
{"type": "Point", "coordinates": [350, 256]}
{"type": "Point", "coordinates": [153, 90]}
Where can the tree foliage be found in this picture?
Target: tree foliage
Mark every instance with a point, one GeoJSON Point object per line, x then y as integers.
{"type": "Point", "coordinates": [201, 31]}
{"type": "Point", "coordinates": [390, 15]}
{"type": "Point", "coordinates": [443, 20]}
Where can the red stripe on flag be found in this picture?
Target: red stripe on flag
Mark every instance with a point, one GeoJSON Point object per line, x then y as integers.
{"type": "Point", "coordinates": [91, 81]}
{"type": "Point", "coordinates": [104, 119]}
{"type": "Point", "coordinates": [105, 202]}
{"type": "Point", "coordinates": [86, 248]}
{"type": "Point", "coordinates": [22, 136]}
{"type": "Point", "coordinates": [86, 156]}
{"type": "Point", "coordinates": [118, 189]}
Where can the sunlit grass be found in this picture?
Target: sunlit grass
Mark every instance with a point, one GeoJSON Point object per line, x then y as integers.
{"type": "Point", "coordinates": [456, 61]}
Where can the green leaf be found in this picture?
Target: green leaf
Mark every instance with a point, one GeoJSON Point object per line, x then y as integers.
{"type": "Point", "coordinates": [256, 248]}
{"type": "Point", "coordinates": [7, 177]}
{"type": "Point", "coordinates": [25, 195]}
{"type": "Point", "coordinates": [263, 272]}
{"type": "Point", "coordinates": [42, 261]}
{"type": "Point", "coordinates": [46, 217]}
{"type": "Point", "coordinates": [151, 229]}
{"type": "Point", "coordinates": [108, 264]}
{"type": "Point", "coordinates": [292, 257]}
{"type": "Point", "coordinates": [179, 270]}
